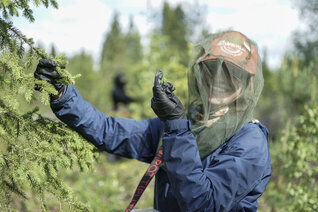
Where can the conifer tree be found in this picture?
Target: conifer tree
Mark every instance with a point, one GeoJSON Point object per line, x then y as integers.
{"type": "Point", "coordinates": [89, 83]}
{"type": "Point", "coordinates": [133, 44]}
{"type": "Point", "coordinates": [306, 41]}
{"type": "Point", "coordinates": [174, 26]}
{"type": "Point", "coordinates": [33, 148]}
{"type": "Point", "coordinates": [113, 46]}
{"type": "Point", "coordinates": [53, 51]}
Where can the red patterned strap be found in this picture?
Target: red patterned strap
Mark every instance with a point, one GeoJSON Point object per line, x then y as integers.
{"type": "Point", "coordinates": [145, 180]}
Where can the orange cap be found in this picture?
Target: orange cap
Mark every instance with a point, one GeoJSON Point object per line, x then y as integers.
{"type": "Point", "coordinates": [236, 48]}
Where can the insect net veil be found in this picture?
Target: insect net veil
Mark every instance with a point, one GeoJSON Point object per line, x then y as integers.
{"type": "Point", "coordinates": [225, 81]}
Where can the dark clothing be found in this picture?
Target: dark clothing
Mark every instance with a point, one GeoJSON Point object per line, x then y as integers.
{"type": "Point", "coordinates": [231, 178]}
{"type": "Point", "coordinates": [119, 96]}
{"type": "Point", "coordinates": [118, 93]}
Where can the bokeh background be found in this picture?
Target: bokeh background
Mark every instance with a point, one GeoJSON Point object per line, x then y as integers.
{"type": "Point", "coordinates": [102, 38]}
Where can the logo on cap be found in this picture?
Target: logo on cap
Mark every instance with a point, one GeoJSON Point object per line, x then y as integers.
{"type": "Point", "coordinates": [230, 48]}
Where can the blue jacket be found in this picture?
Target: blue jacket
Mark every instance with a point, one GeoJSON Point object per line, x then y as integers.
{"type": "Point", "coordinates": [231, 178]}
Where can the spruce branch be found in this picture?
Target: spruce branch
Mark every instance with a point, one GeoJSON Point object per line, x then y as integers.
{"type": "Point", "coordinates": [24, 150]}
{"type": "Point", "coordinates": [30, 142]}
{"type": "Point", "coordinates": [67, 78]}
{"type": "Point", "coordinates": [10, 28]}
{"type": "Point", "coordinates": [14, 188]}
{"type": "Point", "coordinates": [11, 7]}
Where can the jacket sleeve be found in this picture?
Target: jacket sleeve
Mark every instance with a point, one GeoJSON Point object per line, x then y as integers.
{"type": "Point", "coordinates": [229, 176]}
{"type": "Point", "coordinates": [125, 137]}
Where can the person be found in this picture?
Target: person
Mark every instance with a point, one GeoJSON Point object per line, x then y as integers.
{"type": "Point", "coordinates": [118, 93]}
{"type": "Point", "coordinates": [215, 158]}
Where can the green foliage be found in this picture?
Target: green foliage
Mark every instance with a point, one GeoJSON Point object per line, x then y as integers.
{"type": "Point", "coordinates": [82, 64]}
{"type": "Point", "coordinates": [11, 8]}
{"type": "Point", "coordinates": [174, 27]}
{"type": "Point", "coordinates": [298, 81]}
{"type": "Point", "coordinates": [287, 90]}
{"type": "Point", "coordinates": [305, 41]}
{"type": "Point", "coordinates": [121, 51]}
{"type": "Point", "coordinates": [133, 44]}
{"type": "Point", "coordinates": [33, 148]}
{"type": "Point", "coordinates": [53, 51]}
{"type": "Point", "coordinates": [111, 186]}
{"type": "Point", "coordinates": [168, 50]}
{"type": "Point", "coordinates": [293, 186]}
{"type": "Point", "coordinates": [270, 109]}
{"type": "Point", "coordinates": [302, 159]}
{"type": "Point", "coordinates": [142, 75]}
{"type": "Point", "coordinates": [46, 166]}
{"type": "Point", "coordinates": [113, 47]}
{"type": "Point", "coordinates": [92, 84]}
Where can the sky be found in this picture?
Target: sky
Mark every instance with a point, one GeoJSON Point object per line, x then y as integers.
{"type": "Point", "coordinates": [82, 25]}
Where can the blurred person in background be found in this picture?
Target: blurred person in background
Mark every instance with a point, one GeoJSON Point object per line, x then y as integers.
{"type": "Point", "coordinates": [120, 99]}
{"type": "Point", "coordinates": [119, 95]}
{"type": "Point", "coordinates": [215, 157]}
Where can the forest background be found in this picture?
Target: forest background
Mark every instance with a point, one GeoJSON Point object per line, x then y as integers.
{"type": "Point", "coordinates": [46, 166]}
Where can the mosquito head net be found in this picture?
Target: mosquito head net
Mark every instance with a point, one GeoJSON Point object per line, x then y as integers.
{"type": "Point", "coordinates": [225, 82]}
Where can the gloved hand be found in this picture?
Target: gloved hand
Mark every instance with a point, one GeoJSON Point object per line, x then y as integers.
{"type": "Point", "coordinates": [164, 103]}
{"type": "Point", "coordinates": [46, 70]}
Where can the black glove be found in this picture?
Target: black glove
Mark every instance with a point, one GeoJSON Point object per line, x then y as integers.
{"type": "Point", "coordinates": [46, 70]}
{"type": "Point", "coordinates": [164, 103]}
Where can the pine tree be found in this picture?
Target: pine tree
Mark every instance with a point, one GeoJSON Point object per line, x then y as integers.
{"type": "Point", "coordinates": [33, 148]}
